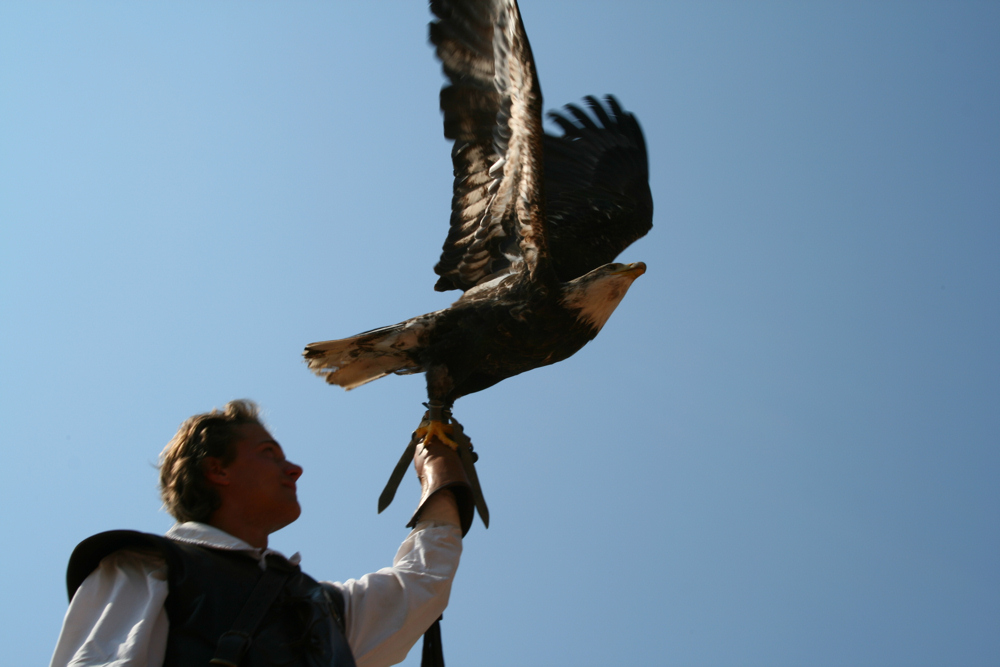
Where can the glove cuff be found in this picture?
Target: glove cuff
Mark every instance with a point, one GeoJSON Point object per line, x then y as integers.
{"type": "Point", "coordinates": [440, 469]}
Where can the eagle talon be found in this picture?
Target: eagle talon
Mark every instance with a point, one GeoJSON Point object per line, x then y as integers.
{"type": "Point", "coordinates": [430, 429]}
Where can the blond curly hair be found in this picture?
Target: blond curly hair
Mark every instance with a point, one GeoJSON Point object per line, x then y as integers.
{"type": "Point", "coordinates": [186, 493]}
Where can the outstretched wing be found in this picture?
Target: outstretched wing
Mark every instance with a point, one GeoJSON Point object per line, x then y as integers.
{"type": "Point", "coordinates": [493, 112]}
{"type": "Point", "coordinates": [597, 196]}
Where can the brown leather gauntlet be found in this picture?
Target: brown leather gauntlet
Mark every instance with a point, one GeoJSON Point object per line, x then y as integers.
{"type": "Point", "coordinates": [440, 469]}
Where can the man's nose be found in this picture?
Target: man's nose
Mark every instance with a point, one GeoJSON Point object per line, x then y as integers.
{"type": "Point", "coordinates": [292, 470]}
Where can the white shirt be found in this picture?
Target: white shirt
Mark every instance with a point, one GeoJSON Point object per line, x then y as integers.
{"type": "Point", "coordinates": [117, 618]}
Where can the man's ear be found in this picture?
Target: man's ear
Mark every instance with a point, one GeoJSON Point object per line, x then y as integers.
{"type": "Point", "coordinates": [215, 472]}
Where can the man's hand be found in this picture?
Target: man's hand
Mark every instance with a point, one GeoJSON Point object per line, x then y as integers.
{"type": "Point", "coordinates": [446, 494]}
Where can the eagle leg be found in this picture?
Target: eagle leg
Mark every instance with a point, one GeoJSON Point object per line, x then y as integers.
{"type": "Point", "coordinates": [435, 424]}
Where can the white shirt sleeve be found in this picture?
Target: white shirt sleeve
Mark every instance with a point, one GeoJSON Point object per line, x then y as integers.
{"type": "Point", "coordinates": [116, 617]}
{"type": "Point", "coordinates": [387, 611]}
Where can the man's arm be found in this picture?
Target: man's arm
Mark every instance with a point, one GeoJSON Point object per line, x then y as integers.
{"type": "Point", "coordinates": [117, 615]}
{"type": "Point", "coordinates": [387, 611]}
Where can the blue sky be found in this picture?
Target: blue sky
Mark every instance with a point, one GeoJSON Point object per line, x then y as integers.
{"type": "Point", "coordinates": [782, 449]}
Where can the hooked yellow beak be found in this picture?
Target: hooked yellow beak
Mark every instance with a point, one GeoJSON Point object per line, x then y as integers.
{"type": "Point", "coordinates": [635, 269]}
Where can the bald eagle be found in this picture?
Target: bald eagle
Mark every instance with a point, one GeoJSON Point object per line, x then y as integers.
{"type": "Point", "coordinates": [537, 220]}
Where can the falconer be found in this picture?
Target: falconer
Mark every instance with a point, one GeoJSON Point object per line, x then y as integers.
{"type": "Point", "coordinates": [212, 592]}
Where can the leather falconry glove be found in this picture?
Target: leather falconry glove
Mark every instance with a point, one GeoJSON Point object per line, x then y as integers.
{"type": "Point", "coordinates": [440, 469]}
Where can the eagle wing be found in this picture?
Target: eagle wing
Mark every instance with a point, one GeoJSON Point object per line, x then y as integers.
{"type": "Point", "coordinates": [493, 112]}
{"type": "Point", "coordinates": [597, 196]}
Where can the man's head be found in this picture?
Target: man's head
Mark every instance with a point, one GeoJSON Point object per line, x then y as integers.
{"type": "Point", "coordinates": [225, 464]}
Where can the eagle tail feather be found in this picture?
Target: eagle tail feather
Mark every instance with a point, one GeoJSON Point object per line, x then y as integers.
{"type": "Point", "coordinates": [352, 362]}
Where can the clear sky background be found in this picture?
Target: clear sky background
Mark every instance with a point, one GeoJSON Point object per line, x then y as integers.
{"type": "Point", "coordinates": [781, 450]}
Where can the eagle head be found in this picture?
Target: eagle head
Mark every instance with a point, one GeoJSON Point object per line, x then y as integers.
{"type": "Point", "coordinates": [595, 295]}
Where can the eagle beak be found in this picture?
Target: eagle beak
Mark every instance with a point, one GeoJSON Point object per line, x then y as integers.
{"type": "Point", "coordinates": [635, 269]}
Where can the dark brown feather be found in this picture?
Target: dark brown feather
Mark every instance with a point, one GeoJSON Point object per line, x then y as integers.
{"type": "Point", "coordinates": [597, 193]}
{"type": "Point", "coordinates": [493, 112]}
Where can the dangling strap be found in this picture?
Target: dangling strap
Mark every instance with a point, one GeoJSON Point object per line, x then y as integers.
{"type": "Point", "coordinates": [433, 652]}
{"type": "Point", "coordinates": [469, 458]}
{"type": "Point", "coordinates": [389, 492]}
{"type": "Point", "coordinates": [233, 644]}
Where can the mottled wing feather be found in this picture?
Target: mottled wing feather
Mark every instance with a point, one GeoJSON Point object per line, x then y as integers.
{"type": "Point", "coordinates": [493, 112]}
{"type": "Point", "coordinates": [596, 186]}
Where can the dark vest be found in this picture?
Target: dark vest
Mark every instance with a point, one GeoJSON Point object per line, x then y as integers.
{"type": "Point", "coordinates": [207, 589]}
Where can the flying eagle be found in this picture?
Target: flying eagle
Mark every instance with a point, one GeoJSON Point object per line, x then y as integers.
{"type": "Point", "coordinates": [536, 221]}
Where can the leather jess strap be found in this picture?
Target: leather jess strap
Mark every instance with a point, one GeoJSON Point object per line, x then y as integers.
{"type": "Point", "coordinates": [233, 644]}
{"type": "Point", "coordinates": [433, 653]}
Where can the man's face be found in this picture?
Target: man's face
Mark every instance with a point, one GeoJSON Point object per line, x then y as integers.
{"type": "Point", "coordinates": [260, 482]}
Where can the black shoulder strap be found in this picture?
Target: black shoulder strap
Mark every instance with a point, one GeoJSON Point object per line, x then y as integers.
{"type": "Point", "coordinates": [234, 643]}
{"type": "Point", "coordinates": [88, 554]}
{"type": "Point", "coordinates": [337, 606]}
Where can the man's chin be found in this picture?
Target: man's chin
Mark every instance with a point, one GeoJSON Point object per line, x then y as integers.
{"type": "Point", "coordinates": [287, 518]}
{"type": "Point", "coordinates": [294, 514]}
